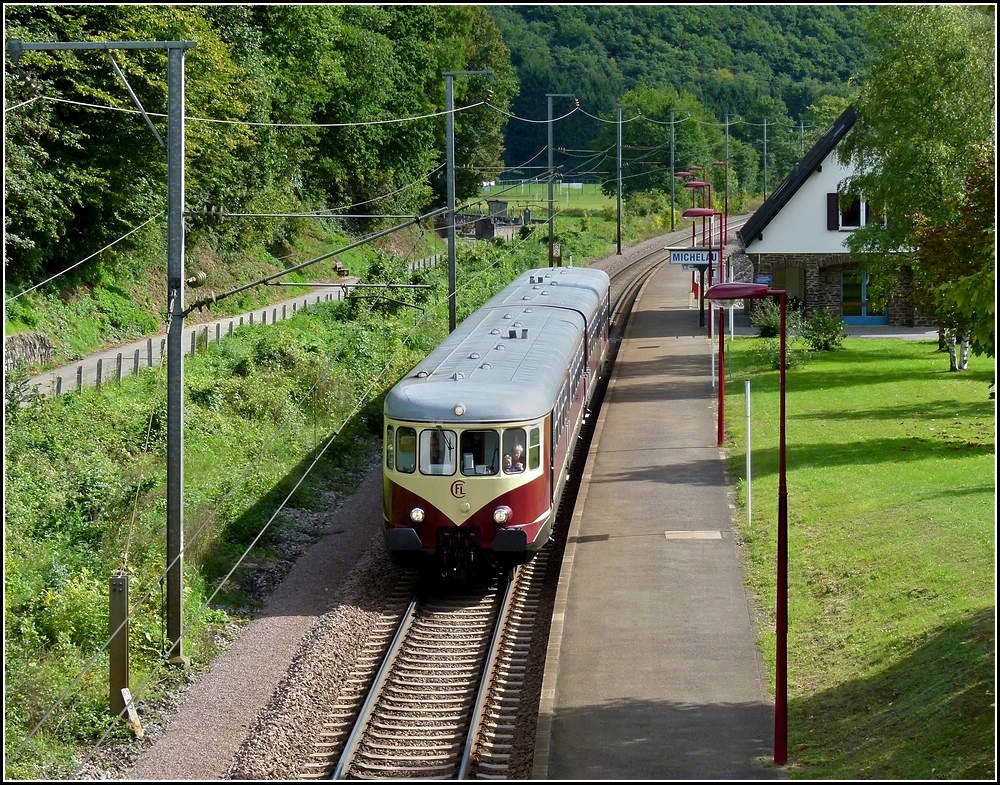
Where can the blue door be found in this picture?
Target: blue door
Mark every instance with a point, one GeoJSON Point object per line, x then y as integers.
{"type": "Point", "coordinates": [859, 304]}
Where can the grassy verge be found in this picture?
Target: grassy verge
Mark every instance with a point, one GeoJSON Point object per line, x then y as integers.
{"type": "Point", "coordinates": [891, 513]}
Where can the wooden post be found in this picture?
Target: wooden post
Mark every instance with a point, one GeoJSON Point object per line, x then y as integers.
{"type": "Point", "coordinates": [118, 648]}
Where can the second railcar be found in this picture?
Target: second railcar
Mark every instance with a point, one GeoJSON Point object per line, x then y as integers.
{"type": "Point", "coordinates": [478, 436]}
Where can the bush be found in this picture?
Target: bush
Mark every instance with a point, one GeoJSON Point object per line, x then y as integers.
{"type": "Point", "coordinates": [767, 353]}
{"type": "Point", "coordinates": [765, 315]}
{"type": "Point", "coordinates": [823, 331]}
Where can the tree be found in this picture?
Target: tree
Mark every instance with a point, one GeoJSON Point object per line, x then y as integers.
{"type": "Point", "coordinates": [925, 113]}
{"type": "Point", "coordinates": [646, 140]}
{"type": "Point", "coordinates": [958, 263]}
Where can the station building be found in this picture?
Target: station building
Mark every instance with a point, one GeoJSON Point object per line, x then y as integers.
{"type": "Point", "coordinates": [797, 241]}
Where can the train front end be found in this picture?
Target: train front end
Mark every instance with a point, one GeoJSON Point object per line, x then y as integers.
{"type": "Point", "coordinates": [454, 496]}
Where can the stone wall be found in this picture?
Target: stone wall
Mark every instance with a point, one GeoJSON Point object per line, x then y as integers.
{"type": "Point", "coordinates": [25, 350]}
{"type": "Point", "coordinates": [823, 273]}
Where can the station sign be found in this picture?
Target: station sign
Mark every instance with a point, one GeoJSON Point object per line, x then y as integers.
{"type": "Point", "coordinates": [694, 255]}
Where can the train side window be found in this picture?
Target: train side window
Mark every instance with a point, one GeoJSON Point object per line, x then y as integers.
{"type": "Point", "coordinates": [534, 448]}
{"type": "Point", "coordinates": [513, 450]}
{"type": "Point", "coordinates": [406, 450]}
{"type": "Point", "coordinates": [437, 451]}
{"type": "Point", "coordinates": [483, 451]}
{"type": "Point", "coordinates": [390, 446]}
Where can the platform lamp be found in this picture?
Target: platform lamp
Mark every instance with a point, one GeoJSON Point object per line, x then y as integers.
{"type": "Point", "coordinates": [694, 213]}
{"type": "Point", "coordinates": [683, 176]}
{"type": "Point", "coordinates": [694, 185]}
{"type": "Point", "coordinates": [724, 292]}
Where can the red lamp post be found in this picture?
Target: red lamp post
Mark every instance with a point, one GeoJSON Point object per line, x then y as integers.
{"type": "Point", "coordinates": [722, 377]}
{"type": "Point", "coordinates": [750, 291]}
{"type": "Point", "coordinates": [694, 213]}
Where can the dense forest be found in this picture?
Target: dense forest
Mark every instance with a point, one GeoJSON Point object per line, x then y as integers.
{"type": "Point", "coordinates": [756, 65]}
{"type": "Point", "coordinates": [339, 108]}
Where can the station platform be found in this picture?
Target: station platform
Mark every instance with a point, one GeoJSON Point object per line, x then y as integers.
{"type": "Point", "coordinates": [652, 671]}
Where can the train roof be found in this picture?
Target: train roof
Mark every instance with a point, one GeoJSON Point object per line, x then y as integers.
{"type": "Point", "coordinates": [507, 360]}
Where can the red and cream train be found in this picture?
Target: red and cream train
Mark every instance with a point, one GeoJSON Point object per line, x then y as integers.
{"type": "Point", "coordinates": [518, 373]}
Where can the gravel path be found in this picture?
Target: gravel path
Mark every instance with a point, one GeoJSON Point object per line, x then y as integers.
{"type": "Point", "coordinates": [220, 708]}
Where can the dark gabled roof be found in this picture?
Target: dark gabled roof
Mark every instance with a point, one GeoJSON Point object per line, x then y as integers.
{"type": "Point", "coordinates": [805, 167]}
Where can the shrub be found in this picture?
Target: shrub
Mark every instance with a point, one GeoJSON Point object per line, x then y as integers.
{"type": "Point", "coordinates": [765, 315]}
{"type": "Point", "coordinates": [76, 611]}
{"type": "Point", "coordinates": [823, 331]}
{"type": "Point", "coordinates": [768, 353]}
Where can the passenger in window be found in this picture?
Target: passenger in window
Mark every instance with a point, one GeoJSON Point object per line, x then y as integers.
{"type": "Point", "coordinates": [514, 462]}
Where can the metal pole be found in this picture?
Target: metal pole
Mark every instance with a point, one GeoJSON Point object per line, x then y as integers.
{"type": "Point", "coordinates": [755, 291]}
{"type": "Point", "coordinates": [711, 231]}
{"type": "Point", "coordinates": [619, 179]}
{"type": "Point", "coordinates": [765, 159]}
{"type": "Point", "coordinates": [672, 174]}
{"type": "Point", "coordinates": [549, 97]}
{"type": "Point", "coordinates": [725, 205]}
{"type": "Point", "coordinates": [551, 228]}
{"type": "Point", "coordinates": [701, 294]}
{"type": "Point", "coordinates": [711, 263]}
{"type": "Point", "coordinates": [450, 132]}
{"type": "Point", "coordinates": [175, 358]}
{"type": "Point", "coordinates": [722, 375]}
{"type": "Point", "coordinates": [781, 616]}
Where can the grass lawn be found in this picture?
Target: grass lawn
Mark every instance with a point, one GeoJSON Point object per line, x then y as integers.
{"type": "Point", "coordinates": [891, 474]}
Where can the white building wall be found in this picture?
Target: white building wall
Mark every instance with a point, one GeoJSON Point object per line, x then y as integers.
{"type": "Point", "coordinates": [800, 226]}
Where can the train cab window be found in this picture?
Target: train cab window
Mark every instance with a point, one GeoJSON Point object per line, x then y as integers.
{"type": "Point", "coordinates": [534, 448]}
{"type": "Point", "coordinates": [406, 449]}
{"type": "Point", "coordinates": [390, 446]}
{"type": "Point", "coordinates": [437, 451]}
{"type": "Point", "coordinates": [514, 457]}
{"type": "Point", "coordinates": [480, 452]}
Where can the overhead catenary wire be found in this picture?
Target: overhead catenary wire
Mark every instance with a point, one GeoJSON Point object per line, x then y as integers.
{"type": "Point", "coordinates": [194, 119]}
{"type": "Point", "coordinates": [358, 404]}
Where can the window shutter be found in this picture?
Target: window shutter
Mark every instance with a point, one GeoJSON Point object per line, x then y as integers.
{"type": "Point", "coordinates": [832, 212]}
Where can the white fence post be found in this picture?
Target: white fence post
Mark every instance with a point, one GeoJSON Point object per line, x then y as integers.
{"type": "Point", "coordinates": [749, 494]}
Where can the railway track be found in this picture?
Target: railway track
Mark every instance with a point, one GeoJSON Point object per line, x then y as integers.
{"type": "Point", "coordinates": [437, 690]}
{"type": "Point", "coordinates": [447, 683]}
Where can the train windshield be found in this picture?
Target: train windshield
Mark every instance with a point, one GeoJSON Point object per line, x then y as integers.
{"type": "Point", "coordinates": [480, 452]}
{"type": "Point", "coordinates": [475, 452]}
{"type": "Point", "coordinates": [437, 451]}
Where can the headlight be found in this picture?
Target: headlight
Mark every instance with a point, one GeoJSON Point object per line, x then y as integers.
{"type": "Point", "coordinates": [502, 515]}
{"type": "Point", "coordinates": [417, 515]}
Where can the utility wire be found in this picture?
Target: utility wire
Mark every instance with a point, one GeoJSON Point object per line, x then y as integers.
{"type": "Point", "coordinates": [95, 253]}
{"type": "Point", "coordinates": [193, 119]}
{"type": "Point", "coordinates": [510, 116]}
